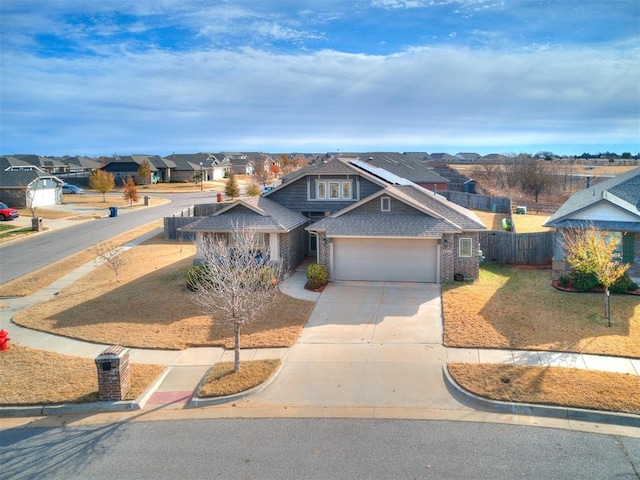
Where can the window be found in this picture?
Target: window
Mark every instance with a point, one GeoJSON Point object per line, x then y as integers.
{"type": "Point", "coordinates": [346, 189]}
{"type": "Point", "coordinates": [385, 204]}
{"type": "Point", "coordinates": [465, 247]}
{"type": "Point", "coordinates": [322, 190]}
{"type": "Point", "coordinates": [333, 190]}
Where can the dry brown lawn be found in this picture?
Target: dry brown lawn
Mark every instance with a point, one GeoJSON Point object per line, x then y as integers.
{"type": "Point", "coordinates": [36, 377]}
{"type": "Point", "coordinates": [151, 308]}
{"type": "Point", "coordinates": [222, 380]}
{"type": "Point", "coordinates": [35, 281]}
{"type": "Point", "coordinates": [551, 386]}
{"type": "Point", "coordinates": [510, 307]}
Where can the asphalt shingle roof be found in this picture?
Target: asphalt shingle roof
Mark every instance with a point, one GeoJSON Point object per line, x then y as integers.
{"type": "Point", "coordinates": [253, 213]}
{"type": "Point", "coordinates": [623, 191]}
{"type": "Point", "coordinates": [434, 216]}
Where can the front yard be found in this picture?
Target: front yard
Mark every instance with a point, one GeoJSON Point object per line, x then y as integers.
{"type": "Point", "coordinates": [512, 307]}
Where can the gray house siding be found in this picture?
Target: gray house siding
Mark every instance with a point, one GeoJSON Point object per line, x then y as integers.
{"type": "Point", "coordinates": [296, 196]}
{"type": "Point", "coordinates": [292, 249]}
{"type": "Point", "coordinates": [396, 206]}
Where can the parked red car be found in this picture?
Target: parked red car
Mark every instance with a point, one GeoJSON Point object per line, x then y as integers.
{"type": "Point", "coordinates": [7, 213]}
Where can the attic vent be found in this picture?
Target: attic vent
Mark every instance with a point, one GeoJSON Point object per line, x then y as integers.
{"type": "Point", "coordinates": [385, 204]}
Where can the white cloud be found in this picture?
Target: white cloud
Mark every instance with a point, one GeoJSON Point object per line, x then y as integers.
{"type": "Point", "coordinates": [218, 98]}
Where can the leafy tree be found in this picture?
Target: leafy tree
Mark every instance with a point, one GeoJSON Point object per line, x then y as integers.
{"type": "Point", "coordinates": [144, 171]}
{"type": "Point", "coordinates": [102, 181]}
{"type": "Point", "coordinates": [591, 251]}
{"type": "Point", "coordinates": [231, 188]}
{"type": "Point", "coordinates": [254, 190]}
{"type": "Point", "coordinates": [236, 279]}
{"type": "Point", "coordinates": [129, 190]}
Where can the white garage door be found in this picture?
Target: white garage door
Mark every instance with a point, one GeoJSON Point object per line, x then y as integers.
{"type": "Point", "coordinates": [385, 260]}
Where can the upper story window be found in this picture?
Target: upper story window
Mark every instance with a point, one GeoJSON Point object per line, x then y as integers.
{"type": "Point", "coordinates": [334, 190]}
{"type": "Point", "coordinates": [465, 247]}
{"type": "Point", "coordinates": [385, 204]}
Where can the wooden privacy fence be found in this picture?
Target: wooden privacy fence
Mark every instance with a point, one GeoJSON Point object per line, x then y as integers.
{"type": "Point", "coordinates": [187, 216]}
{"type": "Point", "coordinates": [518, 248]}
{"type": "Point", "coordinates": [480, 202]}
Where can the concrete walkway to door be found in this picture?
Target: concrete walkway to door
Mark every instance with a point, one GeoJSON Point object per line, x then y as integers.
{"type": "Point", "coordinates": [367, 344]}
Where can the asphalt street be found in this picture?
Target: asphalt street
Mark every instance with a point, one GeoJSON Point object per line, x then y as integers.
{"type": "Point", "coordinates": [314, 449]}
{"type": "Point", "coordinates": [30, 254]}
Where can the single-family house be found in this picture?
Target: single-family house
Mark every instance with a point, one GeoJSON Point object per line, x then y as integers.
{"type": "Point", "coordinates": [612, 205]}
{"type": "Point", "coordinates": [187, 167]}
{"type": "Point", "coordinates": [123, 167]}
{"type": "Point", "coordinates": [362, 223]}
{"type": "Point", "coordinates": [241, 164]}
{"type": "Point", "coordinates": [23, 185]}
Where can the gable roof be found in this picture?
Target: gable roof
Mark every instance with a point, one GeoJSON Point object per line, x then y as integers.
{"type": "Point", "coordinates": [433, 217]}
{"type": "Point", "coordinates": [621, 191]}
{"type": "Point", "coordinates": [263, 215]}
{"type": "Point", "coordinates": [401, 165]}
{"type": "Point", "coordinates": [327, 166]}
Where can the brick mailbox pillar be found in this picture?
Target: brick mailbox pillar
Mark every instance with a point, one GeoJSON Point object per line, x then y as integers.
{"type": "Point", "coordinates": [114, 376]}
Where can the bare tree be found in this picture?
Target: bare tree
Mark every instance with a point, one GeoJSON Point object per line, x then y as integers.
{"type": "Point", "coordinates": [535, 176]}
{"type": "Point", "coordinates": [591, 251]}
{"type": "Point", "coordinates": [111, 255]}
{"type": "Point", "coordinates": [237, 279]}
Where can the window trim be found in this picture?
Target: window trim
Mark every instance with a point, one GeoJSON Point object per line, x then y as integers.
{"type": "Point", "coordinates": [464, 244]}
{"type": "Point", "coordinates": [341, 190]}
{"type": "Point", "coordinates": [385, 204]}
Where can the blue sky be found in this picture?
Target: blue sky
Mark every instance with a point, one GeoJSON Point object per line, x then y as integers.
{"type": "Point", "coordinates": [87, 77]}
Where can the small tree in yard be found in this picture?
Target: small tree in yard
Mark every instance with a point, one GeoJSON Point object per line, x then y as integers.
{"type": "Point", "coordinates": [589, 251]}
{"type": "Point", "coordinates": [237, 279]}
{"type": "Point", "coordinates": [102, 181]}
{"type": "Point", "coordinates": [130, 191]}
{"type": "Point", "coordinates": [111, 255]}
{"type": "Point", "coordinates": [144, 171]}
{"type": "Point", "coordinates": [231, 188]}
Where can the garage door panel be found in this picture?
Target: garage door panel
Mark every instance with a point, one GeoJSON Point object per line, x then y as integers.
{"type": "Point", "coordinates": [400, 260]}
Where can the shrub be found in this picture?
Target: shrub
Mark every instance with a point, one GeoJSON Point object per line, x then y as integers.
{"type": "Point", "coordinates": [623, 285]}
{"type": "Point", "coordinates": [254, 190]}
{"type": "Point", "coordinates": [315, 271]}
{"type": "Point", "coordinates": [583, 281]}
{"type": "Point", "coordinates": [565, 281]}
{"type": "Point", "coordinates": [195, 275]}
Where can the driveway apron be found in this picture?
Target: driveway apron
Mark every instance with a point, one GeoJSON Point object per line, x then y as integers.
{"type": "Point", "coordinates": [367, 344]}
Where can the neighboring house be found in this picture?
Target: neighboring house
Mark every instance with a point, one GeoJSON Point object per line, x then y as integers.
{"type": "Point", "coordinates": [442, 157]}
{"type": "Point", "coordinates": [127, 166]}
{"type": "Point", "coordinates": [187, 166]}
{"type": "Point", "coordinates": [241, 164]}
{"type": "Point", "coordinates": [363, 223]}
{"type": "Point", "coordinates": [612, 205]}
{"type": "Point", "coordinates": [46, 164]}
{"type": "Point", "coordinates": [406, 167]}
{"type": "Point", "coordinates": [468, 156]}
{"type": "Point", "coordinates": [27, 186]}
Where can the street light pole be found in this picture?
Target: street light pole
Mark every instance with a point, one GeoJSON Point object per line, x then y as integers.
{"type": "Point", "coordinates": [201, 178]}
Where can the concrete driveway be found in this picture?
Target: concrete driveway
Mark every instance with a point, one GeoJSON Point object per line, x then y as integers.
{"type": "Point", "coordinates": [367, 344]}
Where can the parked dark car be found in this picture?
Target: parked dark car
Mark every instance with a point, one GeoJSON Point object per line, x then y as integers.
{"type": "Point", "coordinates": [7, 213]}
{"type": "Point", "coordinates": [71, 189]}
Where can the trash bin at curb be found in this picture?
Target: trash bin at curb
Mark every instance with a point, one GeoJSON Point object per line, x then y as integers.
{"type": "Point", "coordinates": [147, 200]}
{"type": "Point", "coordinates": [114, 375]}
{"type": "Point", "coordinates": [113, 211]}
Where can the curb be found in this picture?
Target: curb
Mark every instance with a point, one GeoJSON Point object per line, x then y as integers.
{"type": "Point", "coordinates": [196, 402]}
{"type": "Point", "coordinates": [565, 413]}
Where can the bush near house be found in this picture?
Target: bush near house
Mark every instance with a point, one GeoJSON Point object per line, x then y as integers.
{"type": "Point", "coordinates": [586, 282]}
{"type": "Point", "coordinates": [317, 276]}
